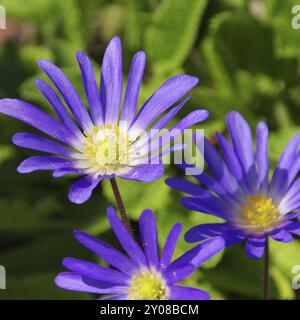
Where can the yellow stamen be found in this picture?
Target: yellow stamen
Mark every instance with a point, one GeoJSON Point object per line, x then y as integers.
{"type": "Point", "coordinates": [106, 148]}
{"type": "Point", "coordinates": [148, 285]}
{"type": "Point", "coordinates": [260, 213]}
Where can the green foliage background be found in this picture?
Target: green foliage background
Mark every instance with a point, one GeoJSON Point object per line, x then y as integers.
{"type": "Point", "coordinates": [247, 57]}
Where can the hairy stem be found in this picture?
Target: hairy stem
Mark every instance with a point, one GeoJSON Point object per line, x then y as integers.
{"type": "Point", "coordinates": [266, 270]}
{"type": "Point", "coordinates": [120, 203]}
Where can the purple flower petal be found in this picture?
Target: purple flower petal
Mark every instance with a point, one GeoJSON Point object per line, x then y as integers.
{"type": "Point", "coordinates": [200, 253]}
{"type": "Point", "coordinates": [112, 81]}
{"type": "Point", "coordinates": [156, 158]}
{"type": "Point", "coordinates": [125, 239]}
{"type": "Point", "coordinates": [58, 173]}
{"type": "Point", "coordinates": [58, 107]}
{"type": "Point", "coordinates": [219, 168]}
{"type": "Point", "coordinates": [205, 204]}
{"type": "Point", "coordinates": [291, 205]}
{"type": "Point", "coordinates": [290, 200]}
{"type": "Point", "coordinates": [161, 123]}
{"type": "Point", "coordinates": [95, 271]}
{"type": "Point", "coordinates": [294, 170]}
{"type": "Point", "coordinates": [281, 235]}
{"type": "Point", "coordinates": [214, 186]}
{"type": "Point", "coordinates": [35, 142]}
{"type": "Point", "coordinates": [146, 173]}
{"type": "Point", "coordinates": [116, 297]}
{"type": "Point", "coordinates": [187, 293]}
{"type": "Point", "coordinates": [133, 87]}
{"type": "Point", "coordinates": [228, 202]}
{"type": "Point", "coordinates": [170, 245]}
{"type": "Point", "coordinates": [76, 282]}
{"type": "Point", "coordinates": [255, 247]}
{"type": "Point", "coordinates": [294, 227]}
{"type": "Point", "coordinates": [148, 235]}
{"type": "Point", "coordinates": [184, 185]}
{"type": "Point", "coordinates": [292, 215]}
{"type": "Point", "coordinates": [82, 189]}
{"type": "Point", "coordinates": [241, 137]}
{"type": "Point", "coordinates": [192, 259]}
{"type": "Point", "coordinates": [36, 118]}
{"type": "Point", "coordinates": [233, 162]}
{"type": "Point", "coordinates": [279, 184]}
{"type": "Point", "coordinates": [191, 119]}
{"type": "Point", "coordinates": [43, 163]}
{"type": "Point", "coordinates": [91, 88]}
{"type": "Point", "coordinates": [68, 92]}
{"type": "Point", "coordinates": [175, 275]}
{"type": "Point", "coordinates": [105, 252]}
{"type": "Point", "coordinates": [185, 123]}
{"type": "Point", "coordinates": [262, 156]}
{"type": "Point", "coordinates": [170, 92]}
{"type": "Point", "coordinates": [211, 230]}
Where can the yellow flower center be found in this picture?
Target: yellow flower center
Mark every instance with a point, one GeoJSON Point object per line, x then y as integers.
{"type": "Point", "coordinates": [148, 285]}
{"type": "Point", "coordinates": [260, 213]}
{"type": "Point", "coordinates": [106, 149]}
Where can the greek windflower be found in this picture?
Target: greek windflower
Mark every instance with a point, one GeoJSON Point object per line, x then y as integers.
{"type": "Point", "coordinates": [109, 138]}
{"type": "Point", "coordinates": [237, 190]}
{"type": "Point", "coordinates": [139, 273]}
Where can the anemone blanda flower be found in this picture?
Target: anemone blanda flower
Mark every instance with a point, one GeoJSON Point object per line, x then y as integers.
{"type": "Point", "coordinates": [141, 274]}
{"type": "Point", "coordinates": [237, 189]}
{"type": "Point", "coordinates": [103, 140]}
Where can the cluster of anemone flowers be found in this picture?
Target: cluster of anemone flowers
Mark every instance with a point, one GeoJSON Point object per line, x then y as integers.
{"type": "Point", "coordinates": [112, 138]}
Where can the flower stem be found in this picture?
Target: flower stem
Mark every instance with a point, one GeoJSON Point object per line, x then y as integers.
{"type": "Point", "coordinates": [120, 203]}
{"type": "Point", "coordinates": [266, 270]}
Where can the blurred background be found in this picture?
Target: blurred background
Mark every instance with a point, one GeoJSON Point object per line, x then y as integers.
{"type": "Point", "coordinates": [246, 54]}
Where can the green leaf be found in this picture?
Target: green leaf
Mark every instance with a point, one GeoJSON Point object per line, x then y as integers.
{"type": "Point", "coordinates": [240, 277]}
{"type": "Point", "coordinates": [282, 283]}
{"type": "Point", "coordinates": [197, 280]}
{"type": "Point", "coordinates": [172, 212]}
{"type": "Point", "coordinates": [112, 18]}
{"type": "Point", "coordinates": [29, 91]}
{"type": "Point", "coordinates": [31, 267]}
{"type": "Point", "coordinates": [32, 217]}
{"type": "Point", "coordinates": [224, 47]}
{"type": "Point", "coordinates": [43, 255]}
{"type": "Point", "coordinates": [39, 286]}
{"type": "Point", "coordinates": [285, 256]}
{"type": "Point", "coordinates": [137, 20]}
{"type": "Point", "coordinates": [30, 54]}
{"type": "Point", "coordinates": [6, 152]}
{"type": "Point", "coordinates": [278, 140]}
{"type": "Point", "coordinates": [279, 16]}
{"type": "Point", "coordinates": [251, 81]}
{"type": "Point", "coordinates": [138, 196]}
{"type": "Point", "coordinates": [235, 3]}
{"type": "Point", "coordinates": [172, 32]}
{"type": "Point", "coordinates": [32, 8]}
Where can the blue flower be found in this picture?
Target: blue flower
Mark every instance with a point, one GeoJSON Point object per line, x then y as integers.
{"type": "Point", "coordinates": [141, 274]}
{"type": "Point", "coordinates": [238, 191]}
{"type": "Point", "coordinates": [104, 140]}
